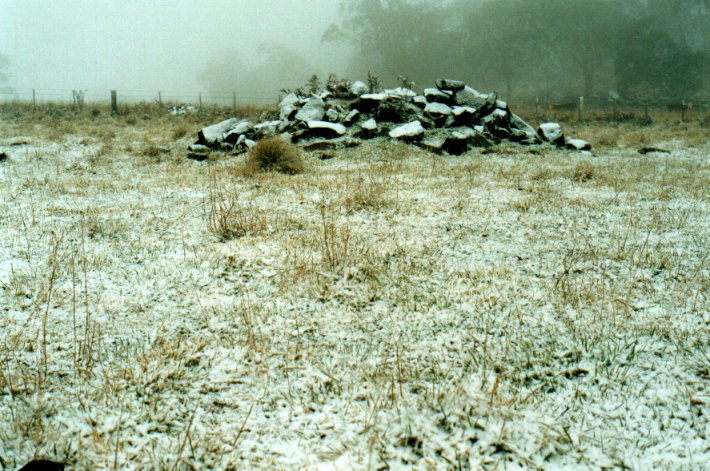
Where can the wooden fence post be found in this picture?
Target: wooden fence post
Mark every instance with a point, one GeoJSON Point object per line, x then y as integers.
{"type": "Point", "coordinates": [537, 109]}
{"type": "Point", "coordinates": [682, 111]}
{"type": "Point", "coordinates": [160, 99]}
{"type": "Point", "coordinates": [613, 104]}
{"type": "Point", "coordinates": [34, 99]}
{"type": "Point", "coordinates": [114, 102]}
{"type": "Point", "coordinates": [580, 109]}
{"type": "Point", "coordinates": [645, 113]}
{"type": "Point", "coordinates": [234, 102]}
{"type": "Point", "coordinates": [199, 96]}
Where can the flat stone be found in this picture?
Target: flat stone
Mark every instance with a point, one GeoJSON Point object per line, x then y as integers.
{"type": "Point", "coordinates": [407, 131]}
{"type": "Point", "coordinates": [434, 94]}
{"type": "Point", "coordinates": [434, 144]}
{"type": "Point", "coordinates": [375, 96]}
{"type": "Point", "coordinates": [577, 144]}
{"type": "Point", "coordinates": [401, 92]}
{"type": "Point", "coordinates": [450, 85]}
{"type": "Point", "coordinates": [483, 103]}
{"type": "Point", "coordinates": [313, 110]}
{"type": "Point", "coordinates": [420, 101]}
{"type": "Point", "coordinates": [326, 128]}
{"type": "Point", "coordinates": [214, 134]}
{"type": "Point", "coordinates": [359, 88]}
{"type": "Point", "coordinates": [351, 117]}
{"type": "Point", "coordinates": [551, 132]}
{"type": "Point", "coordinates": [438, 109]}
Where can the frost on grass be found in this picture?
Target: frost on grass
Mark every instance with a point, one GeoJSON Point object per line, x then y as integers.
{"type": "Point", "coordinates": [388, 308]}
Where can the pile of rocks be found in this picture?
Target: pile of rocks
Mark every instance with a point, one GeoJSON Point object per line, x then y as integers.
{"type": "Point", "coordinates": [451, 118]}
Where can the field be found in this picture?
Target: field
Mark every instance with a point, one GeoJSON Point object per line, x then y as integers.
{"type": "Point", "coordinates": [520, 307]}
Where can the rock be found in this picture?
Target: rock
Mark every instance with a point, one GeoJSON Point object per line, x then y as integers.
{"type": "Point", "coordinates": [438, 109]}
{"type": "Point", "coordinates": [43, 465]}
{"type": "Point", "coordinates": [198, 152]}
{"type": "Point", "coordinates": [522, 132]}
{"type": "Point", "coordinates": [232, 135]}
{"type": "Point", "coordinates": [320, 145]}
{"type": "Point", "coordinates": [313, 110]}
{"type": "Point", "coordinates": [249, 143]}
{"type": "Point", "coordinates": [289, 106]}
{"type": "Point", "coordinates": [3, 156]}
{"type": "Point", "coordinates": [450, 85]}
{"type": "Point", "coordinates": [369, 125]}
{"type": "Point", "coordinates": [401, 92]}
{"type": "Point", "coordinates": [332, 115]}
{"type": "Point", "coordinates": [370, 101]}
{"type": "Point", "coordinates": [434, 144]}
{"type": "Point", "coordinates": [455, 144]}
{"type": "Point", "coordinates": [409, 131]}
{"type": "Point", "coordinates": [267, 128]}
{"type": "Point", "coordinates": [498, 124]}
{"type": "Point", "coordinates": [577, 144]}
{"type": "Point", "coordinates": [351, 117]}
{"type": "Point", "coordinates": [420, 101]}
{"type": "Point", "coordinates": [474, 136]}
{"type": "Point", "coordinates": [434, 94]}
{"type": "Point", "coordinates": [648, 150]}
{"type": "Point", "coordinates": [326, 129]}
{"type": "Point", "coordinates": [551, 132]}
{"type": "Point", "coordinates": [359, 88]}
{"type": "Point", "coordinates": [483, 103]}
{"type": "Point", "coordinates": [214, 134]}
{"type": "Point", "coordinates": [396, 111]}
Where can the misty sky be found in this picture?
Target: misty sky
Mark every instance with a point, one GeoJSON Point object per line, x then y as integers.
{"type": "Point", "coordinates": [150, 44]}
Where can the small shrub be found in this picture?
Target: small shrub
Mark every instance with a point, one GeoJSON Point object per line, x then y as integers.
{"type": "Point", "coordinates": [275, 154]}
{"type": "Point", "coordinates": [180, 130]}
{"type": "Point", "coordinates": [583, 171]}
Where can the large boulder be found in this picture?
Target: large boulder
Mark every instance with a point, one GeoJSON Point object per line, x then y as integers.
{"type": "Point", "coordinates": [313, 110]}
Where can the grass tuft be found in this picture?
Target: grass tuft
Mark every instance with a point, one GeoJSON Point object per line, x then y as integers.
{"type": "Point", "coordinates": [275, 154]}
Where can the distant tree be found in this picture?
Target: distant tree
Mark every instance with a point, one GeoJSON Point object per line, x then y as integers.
{"type": "Point", "coordinates": [651, 60]}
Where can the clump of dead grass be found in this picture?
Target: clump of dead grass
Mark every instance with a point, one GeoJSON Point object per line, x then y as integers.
{"type": "Point", "coordinates": [583, 171]}
{"type": "Point", "coordinates": [229, 218]}
{"type": "Point", "coordinates": [275, 154]}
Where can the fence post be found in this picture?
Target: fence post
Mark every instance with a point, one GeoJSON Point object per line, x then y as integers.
{"type": "Point", "coordinates": [645, 113]}
{"type": "Point", "coordinates": [160, 99]}
{"type": "Point", "coordinates": [580, 109]}
{"type": "Point", "coordinates": [537, 108]}
{"type": "Point", "coordinates": [34, 99]}
{"type": "Point", "coordinates": [682, 111]}
{"type": "Point", "coordinates": [613, 104]}
{"type": "Point", "coordinates": [234, 102]}
{"type": "Point", "coordinates": [114, 102]}
{"type": "Point", "coordinates": [199, 96]}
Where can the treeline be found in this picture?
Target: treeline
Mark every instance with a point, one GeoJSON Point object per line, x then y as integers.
{"type": "Point", "coordinates": [642, 49]}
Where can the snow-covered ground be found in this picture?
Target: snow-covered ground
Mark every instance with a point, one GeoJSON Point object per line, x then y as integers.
{"type": "Point", "coordinates": [388, 307]}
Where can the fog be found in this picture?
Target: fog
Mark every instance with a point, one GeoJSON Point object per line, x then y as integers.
{"type": "Point", "coordinates": [141, 46]}
{"type": "Point", "coordinates": [645, 49]}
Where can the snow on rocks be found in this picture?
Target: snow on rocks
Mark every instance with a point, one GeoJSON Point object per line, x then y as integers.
{"type": "Point", "coordinates": [451, 118]}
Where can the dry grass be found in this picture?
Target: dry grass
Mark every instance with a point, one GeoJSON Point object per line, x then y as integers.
{"type": "Point", "coordinates": [275, 154]}
{"type": "Point", "coordinates": [387, 308]}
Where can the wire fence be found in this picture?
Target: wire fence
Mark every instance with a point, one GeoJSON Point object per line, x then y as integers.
{"type": "Point", "coordinates": [131, 96]}
{"type": "Point", "coordinates": [595, 108]}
